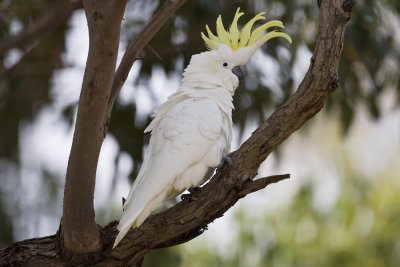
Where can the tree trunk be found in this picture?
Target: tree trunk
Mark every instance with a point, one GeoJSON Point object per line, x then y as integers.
{"type": "Point", "coordinates": [79, 232]}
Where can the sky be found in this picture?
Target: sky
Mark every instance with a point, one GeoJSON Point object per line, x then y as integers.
{"type": "Point", "coordinates": [315, 155]}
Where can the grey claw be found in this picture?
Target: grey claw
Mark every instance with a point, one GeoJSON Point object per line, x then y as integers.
{"type": "Point", "coordinates": [192, 191]}
{"type": "Point", "coordinates": [226, 159]}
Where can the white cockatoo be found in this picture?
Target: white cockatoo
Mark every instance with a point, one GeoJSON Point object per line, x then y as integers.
{"type": "Point", "coordinates": [191, 132]}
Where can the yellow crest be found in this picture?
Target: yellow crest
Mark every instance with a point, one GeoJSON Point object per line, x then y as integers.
{"type": "Point", "coordinates": [234, 38]}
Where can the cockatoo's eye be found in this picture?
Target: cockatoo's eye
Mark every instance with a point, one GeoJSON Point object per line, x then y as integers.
{"type": "Point", "coordinates": [225, 64]}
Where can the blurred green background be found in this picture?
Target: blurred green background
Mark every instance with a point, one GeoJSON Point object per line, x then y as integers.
{"type": "Point", "coordinates": [340, 208]}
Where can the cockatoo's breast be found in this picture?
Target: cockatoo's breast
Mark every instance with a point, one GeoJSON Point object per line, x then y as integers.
{"type": "Point", "coordinates": [197, 122]}
{"type": "Point", "coordinates": [208, 132]}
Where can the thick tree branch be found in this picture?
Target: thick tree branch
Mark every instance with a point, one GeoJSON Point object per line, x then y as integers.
{"type": "Point", "coordinates": [46, 23]}
{"type": "Point", "coordinates": [79, 232]}
{"type": "Point", "coordinates": [190, 217]}
{"type": "Point", "coordinates": [100, 88]}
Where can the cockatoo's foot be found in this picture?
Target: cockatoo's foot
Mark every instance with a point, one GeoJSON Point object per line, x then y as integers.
{"type": "Point", "coordinates": [225, 159]}
{"type": "Point", "coordinates": [185, 196]}
{"type": "Point", "coordinates": [192, 191]}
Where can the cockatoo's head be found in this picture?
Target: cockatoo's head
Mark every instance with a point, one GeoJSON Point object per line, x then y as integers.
{"type": "Point", "coordinates": [229, 50]}
{"type": "Point", "coordinates": [243, 43]}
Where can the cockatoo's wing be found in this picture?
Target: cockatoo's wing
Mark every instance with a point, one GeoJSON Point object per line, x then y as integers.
{"type": "Point", "coordinates": [186, 140]}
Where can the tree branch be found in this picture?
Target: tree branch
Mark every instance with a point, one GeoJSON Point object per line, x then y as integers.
{"type": "Point", "coordinates": [136, 45]}
{"type": "Point", "coordinates": [46, 23]}
{"type": "Point", "coordinates": [79, 232]}
{"type": "Point", "coordinates": [190, 217]}
{"type": "Point", "coordinates": [260, 183]}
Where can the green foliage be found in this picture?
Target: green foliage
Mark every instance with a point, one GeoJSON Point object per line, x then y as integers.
{"type": "Point", "coordinates": [362, 229]}
{"type": "Point", "coordinates": [25, 86]}
{"type": "Point", "coordinates": [163, 257]}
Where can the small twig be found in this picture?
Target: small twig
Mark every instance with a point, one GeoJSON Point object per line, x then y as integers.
{"type": "Point", "coordinates": [260, 183]}
{"type": "Point", "coordinates": [46, 23]}
{"type": "Point", "coordinates": [136, 45]}
{"type": "Point", "coordinates": [154, 52]}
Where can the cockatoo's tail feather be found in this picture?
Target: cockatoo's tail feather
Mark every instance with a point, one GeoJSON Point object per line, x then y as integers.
{"type": "Point", "coordinates": [235, 39]}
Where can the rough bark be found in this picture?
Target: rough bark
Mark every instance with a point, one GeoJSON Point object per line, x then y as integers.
{"type": "Point", "coordinates": [190, 218]}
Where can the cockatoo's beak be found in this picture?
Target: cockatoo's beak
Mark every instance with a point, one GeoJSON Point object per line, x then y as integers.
{"type": "Point", "coordinates": [238, 72]}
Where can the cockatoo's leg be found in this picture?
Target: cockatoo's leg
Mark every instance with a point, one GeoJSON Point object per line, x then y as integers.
{"type": "Point", "coordinates": [192, 191]}
{"type": "Point", "coordinates": [195, 189]}
{"type": "Point", "coordinates": [225, 159]}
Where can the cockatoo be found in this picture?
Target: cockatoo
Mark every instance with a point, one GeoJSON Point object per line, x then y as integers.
{"type": "Point", "coordinates": [191, 132]}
